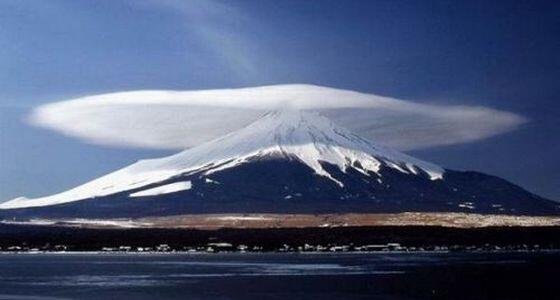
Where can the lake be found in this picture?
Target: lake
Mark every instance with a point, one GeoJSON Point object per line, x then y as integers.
{"type": "Point", "coordinates": [280, 276]}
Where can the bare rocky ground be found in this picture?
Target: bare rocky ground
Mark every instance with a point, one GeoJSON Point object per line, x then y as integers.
{"type": "Point", "coordinates": [458, 220]}
{"type": "Point", "coordinates": [263, 221]}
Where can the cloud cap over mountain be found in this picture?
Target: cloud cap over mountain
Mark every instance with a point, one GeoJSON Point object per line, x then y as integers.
{"type": "Point", "coordinates": [183, 119]}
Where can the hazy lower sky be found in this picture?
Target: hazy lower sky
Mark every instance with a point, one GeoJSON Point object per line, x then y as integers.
{"type": "Point", "coordinates": [499, 54]}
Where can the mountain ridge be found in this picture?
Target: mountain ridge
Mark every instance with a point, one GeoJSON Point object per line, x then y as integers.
{"type": "Point", "coordinates": [286, 162]}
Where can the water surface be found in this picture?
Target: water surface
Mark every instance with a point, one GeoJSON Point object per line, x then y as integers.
{"type": "Point", "coordinates": [280, 276]}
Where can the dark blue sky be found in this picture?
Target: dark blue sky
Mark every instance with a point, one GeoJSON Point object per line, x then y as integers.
{"type": "Point", "coordinates": [501, 54]}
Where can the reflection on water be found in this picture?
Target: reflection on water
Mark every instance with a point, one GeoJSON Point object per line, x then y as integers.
{"type": "Point", "coordinates": [278, 276]}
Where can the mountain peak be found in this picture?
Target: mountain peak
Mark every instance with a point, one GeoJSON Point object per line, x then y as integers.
{"type": "Point", "coordinates": [303, 135]}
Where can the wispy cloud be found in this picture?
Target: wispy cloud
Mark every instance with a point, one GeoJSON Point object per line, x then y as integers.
{"type": "Point", "coordinates": [183, 119]}
{"type": "Point", "coordinates": [215, 24]}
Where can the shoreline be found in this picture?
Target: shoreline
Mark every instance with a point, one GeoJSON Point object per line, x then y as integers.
{"type": "Point", "coordinates": [18, 238]}
{"type": "Point", "coordinates": [295, 253]}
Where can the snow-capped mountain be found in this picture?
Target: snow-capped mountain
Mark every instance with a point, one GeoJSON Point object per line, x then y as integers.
{"type": "Point", "coordinates": [286, 161]}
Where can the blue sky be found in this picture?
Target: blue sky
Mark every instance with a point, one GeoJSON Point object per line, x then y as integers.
{"type": "Point", "coordinates": [504, 54]}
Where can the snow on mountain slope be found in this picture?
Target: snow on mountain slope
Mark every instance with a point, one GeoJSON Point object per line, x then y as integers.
{"type": "Point", "coordinates": [164, 189]}
{"type": "Point", "coordinates": [306, 136]}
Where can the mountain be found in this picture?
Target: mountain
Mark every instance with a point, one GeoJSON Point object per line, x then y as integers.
{"type": "Point", "coordinates": [287, 161]}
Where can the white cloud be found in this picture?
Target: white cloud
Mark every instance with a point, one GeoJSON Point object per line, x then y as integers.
{"type": "Point", "coordinates": [183, 119]}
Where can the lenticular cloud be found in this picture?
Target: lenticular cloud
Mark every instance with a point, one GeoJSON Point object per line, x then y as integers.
{"type": "Point", "coordinates": [183, 119]}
